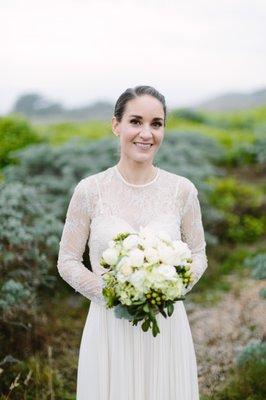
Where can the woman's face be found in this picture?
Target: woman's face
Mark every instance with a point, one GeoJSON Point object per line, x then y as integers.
{"type": "Point", "coordinates": [141, 129]}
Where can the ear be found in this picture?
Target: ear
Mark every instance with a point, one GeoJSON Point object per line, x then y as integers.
{"type": "Point", "coordinates": [115, 124]}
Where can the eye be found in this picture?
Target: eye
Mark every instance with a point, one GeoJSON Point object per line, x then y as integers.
{"type": "Point", "coordinates": [158, 123]}
{"type": "Point", "coordinates": [134, 120]}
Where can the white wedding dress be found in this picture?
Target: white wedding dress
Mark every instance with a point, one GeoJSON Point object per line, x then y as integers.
{"type": "Point", "coordinates": [119, 361]}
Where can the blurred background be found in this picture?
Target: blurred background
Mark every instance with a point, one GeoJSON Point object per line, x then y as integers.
{"type": "Point", "coordinates": [64, 64]}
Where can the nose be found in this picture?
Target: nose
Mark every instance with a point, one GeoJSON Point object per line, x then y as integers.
{"type": "Point", "coordinates": [145, 132]}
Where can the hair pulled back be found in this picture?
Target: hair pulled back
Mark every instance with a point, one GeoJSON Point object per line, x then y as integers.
{"type": "Point", "coordinates": [132, 93]}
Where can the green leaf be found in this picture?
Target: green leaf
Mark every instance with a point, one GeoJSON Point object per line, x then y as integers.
{"type": "Point", "coordinates": [170, 309]}
{"type": "Point", "coordinates": [146, 308]}
{"type": "Point", "coordinates": [155, 329]}
{"type": "Point", "coordinates": [146, 324]}
{"type": "Point", "coordinates": [121, 311]}
{"type": "Point", "coordinates": [162, 311]}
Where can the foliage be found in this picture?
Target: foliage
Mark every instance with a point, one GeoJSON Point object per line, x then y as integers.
{"type": "Point", "coordinates": [33, 202]}
{"type": "Point", "coordinates": [15, 133]}
{"type": "Point", "coordinates": [241, 205]}
{"type": "Point", "coordinates": [253, 352]}
{"type": "Point", "coordinates": [258, 265]}
{"type": "Point", "coordinates": [29, 239]}
{"type": "Point", "coordinates": [60, 133]}
{"type": "Point", "coordinates": [248, 377]}
{"type": "Point", "coordinates": [187, 115]}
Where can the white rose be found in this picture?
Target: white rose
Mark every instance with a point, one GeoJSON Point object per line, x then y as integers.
{"type": "Point", "coordinates": [126, 269]}
{"type": "Point", "coordinates": [136, 257]}
{"type": "Point", "coordinates": [110, 256]}
{"type": "Point", "coordinates": [182, 251]}
{"type": "Point", "coordinates": [151, 255]}
{"type": "Point", "coordinates": [131, 241]}
{"type": "Point", "coordinates": [137, 279]}
{"type": "Point", "coordinates": [168, 271]}
{"type": "Point", "coordinates": [166, 254]}
{"type": "Point", "coordinates": [148, 237]}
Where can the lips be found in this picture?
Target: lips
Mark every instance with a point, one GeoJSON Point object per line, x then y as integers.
{"type": "Point", "coordinates": [143, 145]}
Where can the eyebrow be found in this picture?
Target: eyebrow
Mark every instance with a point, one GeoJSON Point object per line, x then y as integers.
{"type": "Point", "coordinates": [139, 116]}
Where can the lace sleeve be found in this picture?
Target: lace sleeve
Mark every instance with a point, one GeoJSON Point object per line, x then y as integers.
{"type": "Point", "coordinates": [72, 245]}
{"type": "Point", "coordinates": [192, 232]}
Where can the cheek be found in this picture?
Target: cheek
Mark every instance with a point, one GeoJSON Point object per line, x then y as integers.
{"type": "Point", "coordinates": [159, 138]}
{"type": "Point", "coordinates": [128, 136]}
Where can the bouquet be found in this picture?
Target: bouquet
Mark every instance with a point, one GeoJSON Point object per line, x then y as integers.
{"type": "Point", "coordinates": [147, 273]}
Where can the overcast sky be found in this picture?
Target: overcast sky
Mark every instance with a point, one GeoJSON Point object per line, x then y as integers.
{"type": "Point", "coordinates": [79, 51]}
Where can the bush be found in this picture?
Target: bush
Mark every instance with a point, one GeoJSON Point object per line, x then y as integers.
{"type": "Point", "coordinates": [258, 265]}
{"type": "Point", "coordinates": [29, 238]}
{"type": "Point", "coordinates": [248, 378]}
{"type": "Point", "coordinates": [188, 115]}
{"type": "Point", "coordinates": [241, 206]}
{"type": "Point", "coordinates": [15, 133]}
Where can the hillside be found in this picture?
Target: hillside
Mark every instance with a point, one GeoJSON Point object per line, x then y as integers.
{"type": "Point", "coordinates": [233, 101]}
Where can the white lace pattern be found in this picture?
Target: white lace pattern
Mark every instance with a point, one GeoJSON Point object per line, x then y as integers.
{"type": "Point", "coordinates": [104, 204]}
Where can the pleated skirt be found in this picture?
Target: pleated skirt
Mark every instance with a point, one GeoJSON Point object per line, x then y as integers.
{"type": "Point", "coordinates": [118, 361]}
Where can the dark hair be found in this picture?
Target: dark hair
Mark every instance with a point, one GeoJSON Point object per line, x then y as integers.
{"type": "Point", "coordinates": [132, 93]}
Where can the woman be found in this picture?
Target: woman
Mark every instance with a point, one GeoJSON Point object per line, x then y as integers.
{"type": "Point", "coordinates": [119, 361]}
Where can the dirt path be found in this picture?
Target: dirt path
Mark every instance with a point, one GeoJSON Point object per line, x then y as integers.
{"type": "Point", "coordinates": [221, 331]}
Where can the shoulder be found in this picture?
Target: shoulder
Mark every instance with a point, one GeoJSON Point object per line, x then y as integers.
{"type": "Point", "coordinates": [183, 184]}
{"type": "Point", "coordinates": [89, 184]}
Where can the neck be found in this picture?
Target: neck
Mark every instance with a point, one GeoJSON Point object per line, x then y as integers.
{"type": "Point", "coordinates": [136, 173]}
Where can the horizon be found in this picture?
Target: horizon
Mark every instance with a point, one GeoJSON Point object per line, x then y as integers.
{"type": "Point", "coordinates": [188, 105]}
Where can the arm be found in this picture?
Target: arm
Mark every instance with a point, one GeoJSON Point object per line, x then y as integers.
{"type": "Point", "coordinates": [72, 245]}
{"type": "Point", "coordinates": [192, 232]}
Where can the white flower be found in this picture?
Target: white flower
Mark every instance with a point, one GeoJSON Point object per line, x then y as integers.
{"type": "Point", "coordinates": [151, 255]}
{"type": "Point", "coordinates": [182, 252]}
{"type": "Point", "coordinates": [148, 237]}
{"type": "Point", "coordinates": [137, 279]}
{"type": "Point", "coordinates": [166, 254]}
{"type": "Point", "coordinates": [110, 256]}
{"type": "Point", "coordinates": [131, 241]}
{"type": "Point", "coordinates": [126, 269]}
{"type": "Point", "coordinates": [168, 271]}
{"type": "Point", "coordinates": [136, 257]}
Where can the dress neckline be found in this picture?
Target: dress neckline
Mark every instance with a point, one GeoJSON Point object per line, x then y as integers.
{"type": "Point", "coordinates": [135, 185]}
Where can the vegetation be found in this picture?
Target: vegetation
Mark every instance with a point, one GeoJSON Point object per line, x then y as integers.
{"type": "Point", "coordinates": [224, 155]}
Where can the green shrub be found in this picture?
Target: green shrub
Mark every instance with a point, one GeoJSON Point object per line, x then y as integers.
{"type": "Point", "coordinates": [242, 208]}
{"type": "Point", "coordinates": [248, 377]}
{"type": "Point", "coordinates": [15, 133]}
{"type": "Point", "coordinates": [29, 238]}
{"type": "Point", "coordinates": [188, 115]}
{"type": "Point", "coordinates": [253, 353]}
{"type": "Point", "coordinates": [262, 293]}
{"type": "Point", "coordinates": [258, 265]}
{"type": "Point", "coordinates": [58, 134]}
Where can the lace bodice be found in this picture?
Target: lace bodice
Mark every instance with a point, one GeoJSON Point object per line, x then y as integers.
{"type": "Point", "coordinates": [104, 204]}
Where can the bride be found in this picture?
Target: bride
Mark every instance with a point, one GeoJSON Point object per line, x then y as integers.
{"type": "Point", "coordinates": [118, 361]}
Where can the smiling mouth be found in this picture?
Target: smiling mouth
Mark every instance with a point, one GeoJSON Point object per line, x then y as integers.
{"type": "Point", "coordinates": [143, 145]}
